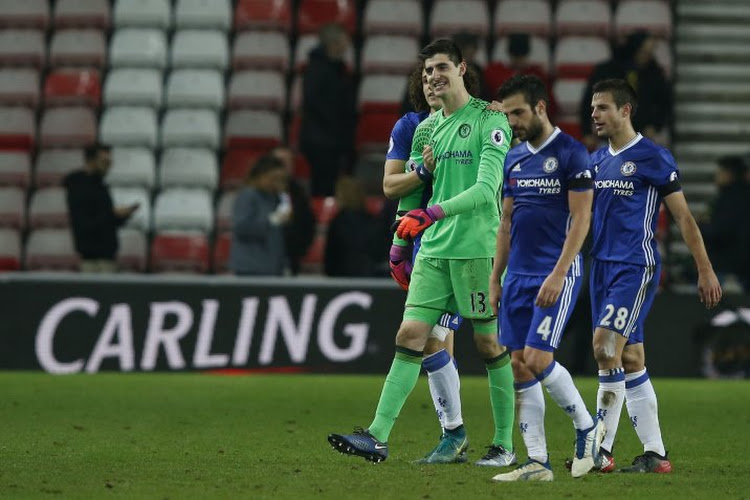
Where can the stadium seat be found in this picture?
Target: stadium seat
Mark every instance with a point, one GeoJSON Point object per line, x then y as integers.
{"type": "Point", "coordinates": [129, 126]}
{"type": "Point", "coordinates": [10, 250]}
{"type": "Point", "coordinates": [313, 14]}
{"type": "Point", "coordinates": [568, 93]}
{"type": "Point", "coordinates": [12, 207]}
{"type": "Point", "coordinates": [133, 167]}
{"type": "Point", "coordinates": [190, 127]}
{"type": "Point", "coordinates": [393, 17]}
{"type": "Point", "coordinates": [312, 261]}
{"type": "Point", "coordinates": [195, 88]}
{"type": "Point", "coordinates": [180, 252]}
{"type": "Point", "coordinates": [220, 255]}
{"type": "Point", "coordinates": [584, 18]}
{"type": "Point", "coordinates": [523, 16]}
{"type": "Point", "coordinates": [17, 129]}
{"type": "Point", "coordinates": [263, 14]}
{"type": "Point", "coordinates": [67, 127]}
{"type": "Point", "coordinates": [374, 205]}
{"type": "Point", "coordinates": [236, 164]}
{"type": "Point", "coordinates": [257, 90]}
{"type": "Point", "coordinates": [650, 15]}
{"type": "Point", "coordinates": [24, 14]}
{"type": "Point", "coordinates": [48, 208]}
{"type": "Point", "coordinates": [54, 164]}
{"type": "Point", "coordinates": [455, 16]}
{"type": "Point", "coordinates": [82, 14]}
{"type": "Point", "coordinates": [374, 131]}
{"type": "Point", "coordinates": [389, 54]}
{"type": "Point", "coordinates": [184, 210]}
{"type": "Point", "coordinates": [382, 93]}
{"type": "Point", "coordinates": [571, 126]}
{"type": "Point", "coordinates": [306, 43]}
{"type": "Point", "coordinates": [324, 209]}
{"type": "Point", "coordinates": [261, 50]}
{"type": "Point", "coordinates": [78, 47]}
{"type": "Point", "coordinates": [141, 218]}
{"type": "Point", "coordinates": [199, 49]}
{"type": "Point", "coordinates": [188, 167]}
{"type": "Point", "coordinates": [252, 129]}
{"type": "Point", "coordinates": [132, 254]}
{"type": "Point", "coordinates": [51, 250]}
{"type": "Point", "coordinates": [539, 52]}
{"type": "Point", "coordinates": [576, 56]}
{"type": "Point", "coordinates": [203, 14]}
{"type": "Point", "coordinates": [22, 48]}
{"type": "Point", "coordinates": [19, 87]}
{"type": "Point", "coordinates": [142, 13]}
{"type": "Point", "coordinates": [66, 87]}
{"type": "Point", "coordinates": [138, 48]}
{"type": "Point", "coordinates": [295, 96]}
{"type": "Point", "coordinates": [133, 87]}
{"type": "Point", "coordinates": [224, 210]}
{"type": "Point", "coordinates": [15, 169]}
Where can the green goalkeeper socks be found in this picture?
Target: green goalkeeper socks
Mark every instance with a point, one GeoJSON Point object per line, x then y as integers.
{"type": "Point", "coordinates": [502, 399]}
{"type": "Point", "coordinates": [399, 383]}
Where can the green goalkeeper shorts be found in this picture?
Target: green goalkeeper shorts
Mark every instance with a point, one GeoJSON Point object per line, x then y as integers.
{"type": "Point", "coordinates": [455, 285]}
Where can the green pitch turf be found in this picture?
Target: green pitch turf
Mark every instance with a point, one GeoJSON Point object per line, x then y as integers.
{"type": "Point", "coordinates": [202, 436]}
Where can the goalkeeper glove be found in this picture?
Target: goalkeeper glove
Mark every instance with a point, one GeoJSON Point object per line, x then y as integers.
{"type": "Point", "coordinates": [417, 220]}
{"type": "Point", "coordinates": [401, 266]}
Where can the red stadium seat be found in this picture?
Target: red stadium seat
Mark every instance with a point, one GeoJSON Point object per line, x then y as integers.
{"type": "Point", "coordinates": [17, 129]}
{"type": "Point", "coordinates": [237, 163]}
{"type": "Point", "coordinates": [180, 252]}
{"type": "Point", "coordinates": [82, 14]}
{"type": "Point", "coordinates": [263, 14]}
{"type": "Point", "coordinates": [10, 250]}
{"type": "Point", "coordinates": [220, 256]}
{"type": "Point", "coordinates": [315, 13]}
{"type": "Point", "coordinates": [571, 127]}
{"type": "Point", "coordinates": [24, 14]}
{"type": "Point", "coordinates": [66, 87]}
{"type": "Point", "coordinates": [374, 131]}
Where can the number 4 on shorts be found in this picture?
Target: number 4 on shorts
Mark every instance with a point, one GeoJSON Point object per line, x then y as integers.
{"type": "Point", "coordinates": [544, 328]}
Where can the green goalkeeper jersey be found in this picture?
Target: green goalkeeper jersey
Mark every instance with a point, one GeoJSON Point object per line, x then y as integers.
{"type": "Point", "coordinates": [469, 148]}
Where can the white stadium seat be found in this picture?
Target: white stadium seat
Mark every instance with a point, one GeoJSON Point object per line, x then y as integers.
{"type": "Point", "coordinates": [257, 89]}
{"type": "Point", "coordinates": [19, 87]}
{"type": "Point", "coordinates": [188, 167]}
{"type": "Point", "coordinates": [51, 250]}
{"type": "Point", "coordinates": [568, 93]}
{"type": "Point", "coordinates": [48, 208]}
{"type": "Point", "coordinates": [245, 128]}
{"type": "Point", "coordinates": [183, 209]}
{"type": "Point", "coordinates": [17, 128]}
{"type": "Point", "coordinates": [24, 14]}
{"type": "Point", "coordinates": [142, 13]}
{"type": "Point", "coordinates": [132, 254]}
{"type": "Point", "coordinates": [211, 14]}
{"type": "Point", "coordinates": [124, 196]}
{"type": "Point", "coordinates": [523, 16]}
{"type": "Point", "coordinates": [575, 56]}
{"type": "Point", "coordinates": [389, 54]}
{"type": "Point", "coordinates": [650, 15]}
{"type": "Point", "coordinates": [12, 207]}
{"type": "Point", "coordinates": [132, 167]}
{"type": "Point", "coordinates": [190, 127]}
{"type": "Point", "coordinates": [261, 50]}
{"type": "Point", "coordinates": [52, 165]}
{"type": "Point", "coordinates": [583, 17]}
{"type": "Point", "coordinates": [200, 49]}
{"type": "Point", "coordinates": [224, 210]}
{"type": "Point", "coordinates": [396, 17]}
{"type": "Point", "coordinates": [15, 168]}
{"type": "Point", "coordinates": [539, 52]}
{"type": "Point", "coordinates": [195, 88]}
{"type": "Point", "coordinates": [305, 43]}
{"type": "Point", "coordinates": [10, 250]}
{"type": "Point", "coordinates": [78, 47]}
{"type": "Point", "coordinates": [455, 16]}
{"type": "Point", "coordinates": [133, 87]}
{"type": "Point", "coordinates": [22, 47]}
{"type": "Point", "coordinates": [73, 126]}
{"type": "Point", "coordinates": [138, 48]}
{"type": "Point", "coordinates": [382, 92]}
{"type": "Point", "coordinates": [129, 126]}
{"type": "Point", "coordinates": [82, 14]}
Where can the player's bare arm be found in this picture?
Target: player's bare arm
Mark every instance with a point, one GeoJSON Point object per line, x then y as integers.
{"type": "Point", "coordinates": [396, 182]}
{"type": "Point", "coordinates": [579, 203]}
{"type": "Point", "coordinates": [502, 251]}
{"type": "Point", "coordinates": [709, 289]}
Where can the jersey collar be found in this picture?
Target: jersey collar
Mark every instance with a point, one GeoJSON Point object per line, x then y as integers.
{"type": "Point", "coordinates": [629, 145]}
{"type": "Point", "coordinates": [551, 138]}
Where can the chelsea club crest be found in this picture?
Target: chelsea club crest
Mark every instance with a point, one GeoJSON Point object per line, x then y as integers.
{"type": "Point", "coordinates": [628, 168]}
{"type": "Point", "coordinates": [550, 165]}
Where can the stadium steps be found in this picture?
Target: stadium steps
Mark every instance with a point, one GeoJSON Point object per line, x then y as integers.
{"type": "Point", "coordinates": [718, 92]}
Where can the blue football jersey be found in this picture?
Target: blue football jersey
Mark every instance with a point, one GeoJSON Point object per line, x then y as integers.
{"type": "Point", "coordinates": [399, 146]}
{"type": "Point", "coordinates": [629, 187]}
{"type": "Point", "coordinates": [539, 181]}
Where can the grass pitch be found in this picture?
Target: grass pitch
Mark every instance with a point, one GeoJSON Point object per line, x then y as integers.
{"type": "Point", "coordinates": [201, 436]}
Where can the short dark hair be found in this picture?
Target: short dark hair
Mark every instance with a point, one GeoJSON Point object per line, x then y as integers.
{"type": "Point", "coordinates": [531, 86]}
{"type": "Point", "coordinates": [622, 93]}
{"type": "Point", "coordinates": [265, 164]}
{"type": "Point", "coordinates": [442, 46]}
{"type": "Point", "coordinates": [734, 164]}
{"type": "Point", "coordinates": [91, 152]}
{"type": "Point", "coordinates": [416, 93]}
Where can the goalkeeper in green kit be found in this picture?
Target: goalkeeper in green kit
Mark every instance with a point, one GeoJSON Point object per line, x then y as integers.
{"type": "Point", "coordinates": [464, 162]}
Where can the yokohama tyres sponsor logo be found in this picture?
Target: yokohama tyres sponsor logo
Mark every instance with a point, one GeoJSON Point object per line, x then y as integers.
{"type": "Point", "coordinates": [171, 325]}
{"type": "Point", "coordinates": [614, 184]}
{"type": "Point", "coordinates": [540, 182]}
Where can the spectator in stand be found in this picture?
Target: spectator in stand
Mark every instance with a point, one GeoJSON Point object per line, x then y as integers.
{"type": "Point", "coordinates": [351, 248]}
{"type": "Point", "coordinates": [469, 45]}
{"type": "Point", "coordinates": [634, 62]}
{"type": "Point", "coordinates": [299, 232]}
{"type": "Point", "coordinates": [328, 111]}
{"type": "Point", "coordinates": [727, 230]}
{"type": "Point", "coordinates": [260, 212]}
{"type": "Point", "coordinates": [519, 48]}
{"type": "Point", "coordinates": [94, 219]}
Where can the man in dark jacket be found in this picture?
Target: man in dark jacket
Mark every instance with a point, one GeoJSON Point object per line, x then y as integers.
{"type": "Point", "coordinates": [328, 111]}
{"type": "Point", "coordinates": [93, 218]}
